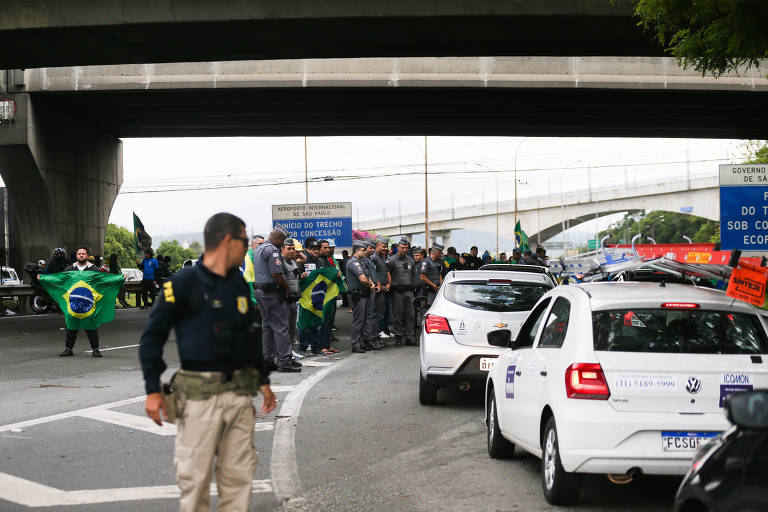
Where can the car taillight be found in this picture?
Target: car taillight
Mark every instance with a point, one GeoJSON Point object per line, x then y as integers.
{"type": "Point", "coordinates": [680, 305]}
{"type": "Point", "coordinates": [434, 324]}
{"type": "Point", "coordinates": [586, 380]}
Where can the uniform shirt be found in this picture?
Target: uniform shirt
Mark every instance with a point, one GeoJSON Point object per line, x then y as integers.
{"type": "Point", "coordinates": [380, 265]}
{"type": "Point", "coordinates": [370, 268]}
{"type": "Point", "coordinates": [474, 262]}
{"type": "Point", "coordinates": [149, 268]}
{"type": "Point", "coordinates": [401, 270]}
{"type": "Point", "coordinates": [290, 267]}
{"type": "Point", "coordinates": [354, 269]}
{"type": "Point", "coordinates": [267, 260]}
{"type": "Point", "coordinates": [193, 302]}
{"type": "Point", "coordinates": [417, 274]}
{"type": "Point", "coordinates": [431, 269]}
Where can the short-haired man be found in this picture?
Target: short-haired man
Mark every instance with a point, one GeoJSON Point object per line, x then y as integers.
{"type": "Point", "coordinates": [222, 369]}
{"type": "Point", "coordinates": [400, 276]}
{"type": "Point", "coordinates": [292, 275]}
{"type": "Point", "coordinates": [431, 276]}
{"type": "Point", "coordinates": [360, 288]}
{"type": "Point", "coordinates": [474, 262]}
{"type": "Point", "coordinates": [81, 264]}
{"type": "Point", "coordinates": [149, 267]}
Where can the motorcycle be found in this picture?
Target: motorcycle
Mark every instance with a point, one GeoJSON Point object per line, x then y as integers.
{"type": "Point", "coordinates": [39, 302]}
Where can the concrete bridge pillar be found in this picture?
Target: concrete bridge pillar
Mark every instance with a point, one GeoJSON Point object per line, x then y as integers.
{"type": "Point", "coordinates": [62, 177]}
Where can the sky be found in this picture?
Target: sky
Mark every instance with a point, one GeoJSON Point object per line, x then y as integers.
{"type": "Point", "coordinates": [175, 184]}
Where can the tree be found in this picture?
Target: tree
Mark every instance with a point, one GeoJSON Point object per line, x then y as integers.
{"type": "Point", "coordinates": [177, 253]}
{"type": "Point", "coordinates": [664, 227]}
{"type": "Point", "coordinates": [712, 36]}
{"type": "Point", "coordinates": [119, 240]}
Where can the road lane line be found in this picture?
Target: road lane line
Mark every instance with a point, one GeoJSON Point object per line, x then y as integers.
{"type": "Point", "coordinates": [70, 414]}
{"type": "Point", "coordinates": [316, 363]}
{"type": "Point", "coordinates": [131, 421]}
{"type": "Point", "coordinates": [282, 389]}
{"type": "Point", "coordinates": [263, 426]}
{"type": "Point", "coordinates": [284, 466]}
{"type": "Point", "coordinates": [111, 348]}
{"type": "Point", "coordinates": [31, 494]}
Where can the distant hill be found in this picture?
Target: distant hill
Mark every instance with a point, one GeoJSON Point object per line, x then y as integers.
{"type": "Point", "coordinates": [180, 237]}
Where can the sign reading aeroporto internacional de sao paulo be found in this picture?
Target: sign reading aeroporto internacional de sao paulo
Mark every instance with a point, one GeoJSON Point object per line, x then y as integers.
{"type": "Point", "coordinates": [320, 220]}
{"type": "Point", "coordinates": [744, 207]}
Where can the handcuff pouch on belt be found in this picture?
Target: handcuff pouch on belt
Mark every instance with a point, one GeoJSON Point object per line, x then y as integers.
{"type": "Point", "coordinates": [174, 407]}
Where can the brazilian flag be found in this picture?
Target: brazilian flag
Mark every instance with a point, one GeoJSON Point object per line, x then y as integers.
{"type": "Point", "coordinates": [318, 291]}
{"type": "Point", "coordinates": [87, 298]}
{"type": "Point", "coordinates": [521, 238]}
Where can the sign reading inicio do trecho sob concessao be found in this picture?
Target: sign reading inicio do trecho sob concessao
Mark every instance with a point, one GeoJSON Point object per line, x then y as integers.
{"type": "Point", "coordinates": [329, 221]}
{"type": "Point", "coordinates": [744, 207]}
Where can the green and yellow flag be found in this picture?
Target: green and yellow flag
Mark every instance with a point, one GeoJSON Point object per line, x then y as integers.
{"type": "Point", "coordinates": [521, 238]}
{"type": "Point", "coordinates": [318, 290]}
{"type": "Point", "coordinates": [86, 298]}
{"type": "Point", "coordinates": [141, 239]}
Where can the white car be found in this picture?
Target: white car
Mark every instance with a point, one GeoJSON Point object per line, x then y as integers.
{"type": "Point", "coordinates": [469, 304]}
{"type": "Point", "coordinates": [132, 275]}
{"type": "Point", "coordinates": [621, 379]}
{"type": "Point", "coordinates": [9, 277]}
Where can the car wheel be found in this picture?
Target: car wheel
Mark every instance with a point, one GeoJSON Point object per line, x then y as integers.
{"type": "Point", "coordinates": [427, 391]}
{"type": "Point", "coordinates": [560, 487]}
{"type": "Point", "coordinates": [38, 303]}
{"type": "Point", "coordinates": [498, 446]}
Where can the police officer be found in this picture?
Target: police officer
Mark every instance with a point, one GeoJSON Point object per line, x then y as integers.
{"type": "Point", "coordinates": [400, 275]}
{"type": "Point", "coordinates": [419, 290]}
{"type": "Point", "coordinates": [271, 294]}
{"type": "Point", "coordinates": [430, 272]}
{"type": "Point", "coordinates": [292, 275]}
{"type": "Point", "coordinates": [379, 259]}
{"type": "Point", "coordinates": [360, 288]}
{"type": "Point", "coordinates": [371, 330]}
{"type": "Point", "coordinates": [221, 369]}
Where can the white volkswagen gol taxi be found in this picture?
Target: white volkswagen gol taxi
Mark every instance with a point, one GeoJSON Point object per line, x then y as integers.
{"type": "Point", "coordinates": [470, 303]}
{"type": "Point", "coordinates": [621, 378]}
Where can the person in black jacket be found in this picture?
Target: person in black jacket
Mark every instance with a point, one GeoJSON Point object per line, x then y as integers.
{"type": "Point", "coordinates": [81, 264]}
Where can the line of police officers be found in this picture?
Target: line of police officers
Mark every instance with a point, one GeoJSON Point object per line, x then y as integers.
{"type": "Point", "coordinates": [409, 278]}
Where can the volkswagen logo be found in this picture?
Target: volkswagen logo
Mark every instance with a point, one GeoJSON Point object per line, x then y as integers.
{"type": "Point", "coordinates": [693, 385]}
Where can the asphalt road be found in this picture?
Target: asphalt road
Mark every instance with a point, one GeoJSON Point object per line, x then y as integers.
{"type": "Point", "coordinates": [348, 434]}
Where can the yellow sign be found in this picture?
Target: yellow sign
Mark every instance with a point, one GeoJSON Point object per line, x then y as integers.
{"type": "Point", "coordinates": [698, 257]}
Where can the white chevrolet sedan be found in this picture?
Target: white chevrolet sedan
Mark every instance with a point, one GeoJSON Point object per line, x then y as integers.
{"type": "Point", "coordinates": [621, 379]}
{"type": "Point", "coordinates": [454, 336]}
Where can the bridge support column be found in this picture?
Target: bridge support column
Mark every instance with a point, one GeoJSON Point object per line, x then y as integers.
{"type": "Point", "coordinates": [63, 178]}
{"type": "Point", "coordinates": [444, 235]}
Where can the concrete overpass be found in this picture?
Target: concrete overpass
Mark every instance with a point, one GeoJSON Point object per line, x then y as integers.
{"type": "Point", "coordinates": [45, 33]}
{"type": "Point", "coordinates": [61, 158]}
{"type": "Point", "coordinates": [544, 217]}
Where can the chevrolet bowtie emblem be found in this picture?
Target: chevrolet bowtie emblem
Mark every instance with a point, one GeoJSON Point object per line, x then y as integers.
{"type": "Point", "coordinates": [499, 325]}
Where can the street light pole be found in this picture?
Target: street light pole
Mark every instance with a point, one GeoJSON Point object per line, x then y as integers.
{"type": "Point", "coordinates": [306, 173]}
{"type": "Point", "coordinates": [426, 197]}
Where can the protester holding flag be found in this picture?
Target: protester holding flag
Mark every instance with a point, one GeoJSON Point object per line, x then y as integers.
{"type": "Point", "coordinates": [521, 238]}
{"type": "Point", "coordinates": [319, 290]}
{"type": "Point", "coordinates": [86, 297]}
{"type": "Point", "coordinates": [149, 267]}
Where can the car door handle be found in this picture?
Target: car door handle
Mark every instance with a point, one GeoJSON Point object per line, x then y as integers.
{"type": "Point", "coordinates": [543, 373]}
{"type": "Point", "coordinates": [518, 372]}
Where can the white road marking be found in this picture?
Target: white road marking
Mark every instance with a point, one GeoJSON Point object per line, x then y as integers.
{"type": "Point", "coordinates": [284, 467]}
{"type": "Point", "coordinates": [31, 494]}
{"type": "Point", "coordinates": [316, 363]}
{"type": "Point", "coordinates": [131, 421]}
{"type": "Point", "coordinates": [70, 414]}
{"type": "Point", "coordinates": [282, 389]}
{"type": "Point", "coordinates": [111, 348]}
{"type": "Point", "coordinates": [263, 426]}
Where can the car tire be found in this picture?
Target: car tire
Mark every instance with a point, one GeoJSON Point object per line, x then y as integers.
{"type": "Point", "coordinates": [560, 487]}
{"type": "Point", "coordinates": [39, 303]}
{"type": "Point", "coordinates": [427, 391]}
{"type": "Point", "coordinates": [498, 446]}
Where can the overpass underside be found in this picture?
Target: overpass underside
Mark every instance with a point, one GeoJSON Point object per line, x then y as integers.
{"type": "Point", "coordinates": [546, 112]}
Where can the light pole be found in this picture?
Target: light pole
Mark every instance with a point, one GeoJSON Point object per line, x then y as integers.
{"type": "Point", "coordinates": [515, 178]}
{"type": "Point", "coordinates": [426, 187]}
{"type": "Point", "coordinates": [306, 173]}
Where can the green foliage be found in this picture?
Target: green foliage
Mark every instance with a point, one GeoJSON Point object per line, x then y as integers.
{"type": "Point", "coordinates": [177, 253]}
{"type": "Point", "coordinates": [756, 152]}
{"type": "Point", "coordinates": [664, 227]}
{"type": "Point", "coordinates": [119, 240]}
{"type": "Point", "coordinates": [712, 36]}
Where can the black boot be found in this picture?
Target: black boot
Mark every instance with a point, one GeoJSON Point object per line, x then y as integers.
{"type": "Point", "coordinates": [95, 352]}
{"type": "Point", "coordinates": [398, 341]}
{"type": "Point", "coordinates": [67, 352]}
{"type": "Point", "coordinates": [409, 341]}
{"type": "Point", "coordinates": [357, 349]}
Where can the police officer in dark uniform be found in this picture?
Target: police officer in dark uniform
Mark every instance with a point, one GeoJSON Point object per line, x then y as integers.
{"type": "Point", "coordinates": [359, 291]}
{"type": "Point", "coordinates": [419, 290]}
{"type": "Point", "coordinates": [379, 260]}
{"type": "Point", "coordinates": [400, 270]}
{"type": "Point", "coordinates": [221, 369]}
{"type": "Point", "coordinates": [430, 271]}
{"type": "Point", "coordinates": [272, 294]}
{"type": "Point", "coordinates": [371, 329]}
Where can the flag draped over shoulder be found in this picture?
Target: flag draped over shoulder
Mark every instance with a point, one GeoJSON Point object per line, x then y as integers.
{"type": "Point", "coordinates": [86, 298]}
{"type": "Point", "coordinates": [318, 291]}
{"type": "Point", "coordinates": [521, 238]}
{"type": "Point", "coordinates": [141, 238]}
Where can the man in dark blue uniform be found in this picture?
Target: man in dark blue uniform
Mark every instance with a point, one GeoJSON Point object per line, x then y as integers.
{"type": "Point", "coordinates": [222, 368]}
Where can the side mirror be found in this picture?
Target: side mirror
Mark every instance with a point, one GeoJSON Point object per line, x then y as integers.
{"type": "Point", "coordinates": [500, 338]}
{"type": "Point", "coordinates": [748, 409]}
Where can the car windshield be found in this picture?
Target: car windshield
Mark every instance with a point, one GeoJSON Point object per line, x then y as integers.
{"type": "Point", "coordinates": [7, 274]}
{"type": "Point", "coordinates": [488, 296]}
{"type": "Point", "coordinates": [678, 331]}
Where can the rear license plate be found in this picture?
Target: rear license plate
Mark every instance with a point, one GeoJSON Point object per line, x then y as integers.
{"type": "Point", "coordinates": [486, 363]}
{"type": "Point", "coordinates": [684, 441]}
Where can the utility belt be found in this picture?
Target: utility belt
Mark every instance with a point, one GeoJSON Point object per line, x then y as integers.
{"type": "Point", "coordinates": [362, 292]}
{"type": "Point", "coordinates": [269, 287]}
{"type": "Point", "coordinates": [200, 385]}
{"type": "Point", "coordinates": [402, 288]}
